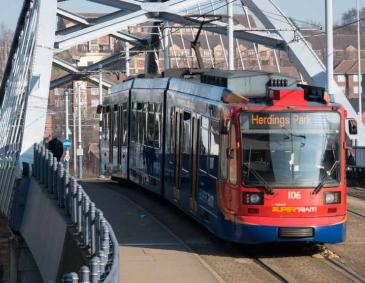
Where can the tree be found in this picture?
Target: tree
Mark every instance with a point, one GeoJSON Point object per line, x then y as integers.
{"type": "Point", "coordinates": [351, 16]}
{"type": "Point", "coordinates": [6, 36]}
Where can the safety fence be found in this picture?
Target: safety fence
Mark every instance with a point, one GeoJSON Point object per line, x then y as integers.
{"type": "Point", "coordinates": [359, 154]}
{"type": "Point", "coordinates": [94, 233]}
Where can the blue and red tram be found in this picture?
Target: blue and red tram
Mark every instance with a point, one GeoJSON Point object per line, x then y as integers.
{"type": "Point", "coordinates": [252, 159]}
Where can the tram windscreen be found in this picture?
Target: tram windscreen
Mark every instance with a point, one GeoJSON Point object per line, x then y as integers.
{"type": "Point", "coordinates": [297, 149]}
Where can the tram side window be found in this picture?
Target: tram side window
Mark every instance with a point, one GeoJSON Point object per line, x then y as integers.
{"type": "Point", "coordinates": [187, 141]}
{"type": "Point", "coordinates": [233, 159]}
{"type": "Point", "coordinates": [115, 126]}
{"type": "Point", "coordinates": [172, 130]}
{"type": "Point", "coordinates": [204, 144]}
{"type": "Point", "coordinates": [134, 123]}
{"type": "Point", "coordinates": [125, 124]}
{"type": "Point", "coordinates": [110, 134]}
{"type": "Point", "coordinates": [223, 163]}
{"type": "Point", "coordinates": [105, 124]}
{"type": "Point", "coordinates": [214, 148]}
{"type": "Point", "coordinates": [157, 128]}
{"type": "Point", "coordinates": [150, 125]}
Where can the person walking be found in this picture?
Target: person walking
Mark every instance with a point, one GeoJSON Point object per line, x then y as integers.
{"type": "Point", "coordinates": [56, 147]}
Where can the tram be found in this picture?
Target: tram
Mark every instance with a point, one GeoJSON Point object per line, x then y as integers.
{"type": "Point", "coordinates": [255, 157]}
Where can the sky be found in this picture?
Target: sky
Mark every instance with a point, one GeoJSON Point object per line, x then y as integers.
{"type": "Point", "coordinates": [304, 10]}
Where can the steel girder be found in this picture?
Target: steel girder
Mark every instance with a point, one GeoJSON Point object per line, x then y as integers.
{"type": "Point", "coordinates": [111, 24]}
{"type": "Point", "coordinates": [82, 22]}
{"type": "Point", "coordinates": [300, 53]}
{"type": "Point", "coordinates": [74, 71]}
{"type": "Point", "coordinates": [25, 92]}
{"type": "Point", "coordinates": [219, 27]}
{"type": "Point", "coordinates": [40, 76]}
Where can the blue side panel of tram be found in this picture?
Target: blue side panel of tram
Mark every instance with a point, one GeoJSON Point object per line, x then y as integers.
{"type": "Point", "coordinates": [154, 166]}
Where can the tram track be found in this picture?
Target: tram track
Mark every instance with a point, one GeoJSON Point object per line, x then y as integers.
{"type": "Point", "coordinates": [237, 263]}
{"type": "Point", "coordinates": [356, 213]}
{"type": "Point", "coordinates": [347, 271]}
{"type": "Point", "coordinates": [270, 270]}
{"type": "Point", "coordinates": [359, 195]}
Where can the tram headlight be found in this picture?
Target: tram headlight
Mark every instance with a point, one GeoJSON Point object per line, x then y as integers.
{"type": "Point", "coordinates": [253, 198]}
{"type": "Point", "coordinates": [332, 197]}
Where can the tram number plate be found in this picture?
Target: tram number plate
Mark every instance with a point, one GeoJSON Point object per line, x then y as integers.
{"type": "Point", "coordinates": [294, 195]}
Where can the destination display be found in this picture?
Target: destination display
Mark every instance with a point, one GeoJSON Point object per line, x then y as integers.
{"type": "Point", "coordinates": [287, 120]}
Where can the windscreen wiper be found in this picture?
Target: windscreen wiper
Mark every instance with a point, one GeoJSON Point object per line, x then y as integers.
{"type": "Point", "coordinates": [268, 189]}
{"type": "Point", "coordinates": [324, 180]}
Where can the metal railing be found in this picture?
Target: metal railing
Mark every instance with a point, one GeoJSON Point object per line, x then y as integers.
{"type": "Point", "coordinates": [359, 152]}
{"type": "Point", "coordinates": [94, 233]}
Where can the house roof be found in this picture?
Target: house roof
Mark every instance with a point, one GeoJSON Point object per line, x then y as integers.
{"type": "Point", "coordinates": [349, 66]}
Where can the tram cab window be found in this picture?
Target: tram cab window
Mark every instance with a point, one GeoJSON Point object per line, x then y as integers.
{"type": "Point", "coordinates": [204, 144]}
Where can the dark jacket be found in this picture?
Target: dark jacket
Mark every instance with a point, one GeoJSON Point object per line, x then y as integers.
{"type": "Point", "coordinates": [56, 147]}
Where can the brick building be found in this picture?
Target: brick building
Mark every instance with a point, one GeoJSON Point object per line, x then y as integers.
{"type": "Point", "coordinates": [346, 76]}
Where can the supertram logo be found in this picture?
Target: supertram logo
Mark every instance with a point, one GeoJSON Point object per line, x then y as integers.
{"type": "Point", "coordinates": [285, 209]}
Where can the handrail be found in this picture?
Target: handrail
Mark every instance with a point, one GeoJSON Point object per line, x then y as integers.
{"type": "Point", "coordinates": [94, 233]}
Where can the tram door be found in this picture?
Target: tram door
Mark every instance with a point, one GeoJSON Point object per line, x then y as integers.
{"type": "Point", "coordinates": [123, 140]}
{"type": "Point", "coordinates": [177, 154]}
{"type": "Point", "coordinates": [186, 126]}
{"type": "Point", "coordinates": [194, 163]}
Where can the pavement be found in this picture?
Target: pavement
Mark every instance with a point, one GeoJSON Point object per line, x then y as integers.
{"type": "Point", "coordinates": [149, 251]}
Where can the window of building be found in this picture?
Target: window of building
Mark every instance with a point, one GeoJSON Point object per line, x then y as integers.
{"type": "Point", "coordinates": [59, 103]}
{"type": "Point", "coordinates": [341, 78]}
{"type": "Point", "coordinates": [356, 78]}
{"type": "Point", "coordinates": [83, 48]}
{"type": "Point", "coordinates": [356, 90]}
{"type": "Point", "coordinates": [218, 53]}
{"type": "Point", "coordinates": [104, 48]}
{"type": "Point", "coordinates": [343, 89]}
{"type": "Point", "coordinates": [251, 53]}
{"type": "Point", "coordinates": [94, 91]}
{"type": "Point", "coordinates": [94, 102]}
{"type": "Point", "coordinates": [206, 52]}
{"type": "Point", "coordinates": [58, 91]}
{"type": "Point", "coordinates": [94, 41]}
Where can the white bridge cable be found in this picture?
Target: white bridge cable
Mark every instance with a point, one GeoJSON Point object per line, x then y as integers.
{"type": "Point", "coordinates": [277, 61]}
{"type": "Point", "coordinates": [173, 47]}
{"type": "Point", "coordinates": [250, 27]}
{"type": "Point", "coordinates": [184, 47]}
{"type": "Point", "coordinates": [157, 61]}
{"type": "Point", "coordinates": [240, 54]}
{"type": "Point", "coordinates": [14, 92]}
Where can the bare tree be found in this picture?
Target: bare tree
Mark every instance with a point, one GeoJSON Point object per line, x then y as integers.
{"type": "Point", "coordinates": [350, 17]}
{"type": "Point", "coordinates": [6, 37]}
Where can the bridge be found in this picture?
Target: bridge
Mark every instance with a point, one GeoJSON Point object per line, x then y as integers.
{"type": "Point", "coordinates": [60, 218]}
